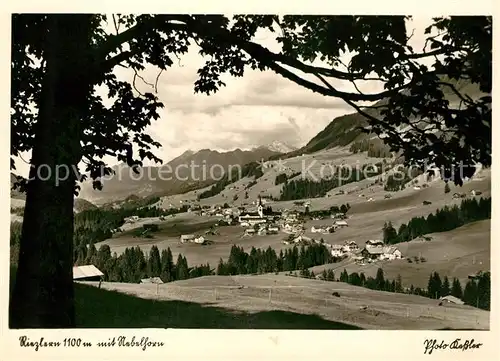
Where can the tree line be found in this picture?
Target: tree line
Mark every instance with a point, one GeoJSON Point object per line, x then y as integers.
{"type": "Point", "coordinates": [283, 177]}
{"type": "Point", "coordinates": [133, 264]}
{"type": "Point", "coordinates": [252, 169]}
{"type": "Point", "coordinates": [396, 183]}
{"type": "Point", "coordinates": [307, 188]}
{"type": "Point", "coordinates": [375, 147]}
{"type": "Point", "coordinates": [445, 219]}
{"type": "Point", "coordinates": [323, 213]}
{"type": "Point", "coordinates": [95, 225]}
{"type": "Point", "coordinates": [266, 261]}
{"type": "Point", "coordinates": [476, 293]}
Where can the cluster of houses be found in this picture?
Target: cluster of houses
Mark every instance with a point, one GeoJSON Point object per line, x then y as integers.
{"type": "Point", "coordinates": [340, 250]}
{"type": "Point", "coordinates": [339, 221]}
{"type": "Point", "coordinates": [260, 223]}
{"type": "Point", "coordinates": [291, 223]}
{"type": "Point", "coordinates": [374, 250]}
{"type": "Point", "coordinates": [262, 229]}
{"type": "Point", "coordinates": [192, 238]}
{"type": "Point", "coordinates": [300, 240]}
{"type": "Point", "coordinates": [329, 228]}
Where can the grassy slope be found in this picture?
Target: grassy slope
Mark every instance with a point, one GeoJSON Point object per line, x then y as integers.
{"type": "Point", "coordinates": [243, 302]}
{"type": "Point", "coordinates": [99, 308]}
{"type": "Point", "coordinates": [457, 253]}
{"type": "Point", "coordinates": [110, 309]}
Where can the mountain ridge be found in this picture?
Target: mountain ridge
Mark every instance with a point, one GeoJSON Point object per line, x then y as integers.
{"type": "Point", "coordinates": [346, 129]}
{"type": "Point", "coordinates": [188, 171]}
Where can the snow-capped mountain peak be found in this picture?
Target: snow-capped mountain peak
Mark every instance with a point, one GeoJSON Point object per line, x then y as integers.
{"type": "Point", "coordinates": [280, 147]}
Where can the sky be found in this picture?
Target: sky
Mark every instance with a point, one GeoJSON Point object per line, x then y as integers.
{"type": "Point", "coordinates": [253, 110]}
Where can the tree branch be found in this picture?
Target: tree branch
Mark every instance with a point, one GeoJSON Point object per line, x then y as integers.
{"type": "Point", "coordinates": [156, 82]}
{"type": "Point", "coordinates": [355, 106]}
{"type": "Point", "coordinates": [269, 58]}
{"type": "Point", "coordinates": [115, 41]}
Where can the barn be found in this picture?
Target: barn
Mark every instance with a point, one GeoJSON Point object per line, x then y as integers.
{"type": "Point", "coordinates": [87, 273]}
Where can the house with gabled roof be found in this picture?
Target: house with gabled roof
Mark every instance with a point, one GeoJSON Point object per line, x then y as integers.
{"type": "Point", "coordinates": [87, 273]}
{"type": "Point", "coordinates": [374, 243]}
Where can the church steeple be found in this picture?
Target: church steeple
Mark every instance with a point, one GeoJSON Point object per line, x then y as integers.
{"type": "Point", "coordinates": [260, 208]}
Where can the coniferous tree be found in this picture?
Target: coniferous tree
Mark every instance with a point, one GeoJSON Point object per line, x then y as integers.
{"type": "Point", "coordinates": [362, 279]}
{"type": "Point", "coordinates": [431, 287]}
{"type": "Point", "coordinates": [102, 257]}
{"type": "Point", "coordinates": [446, 188]}
{"type": "Point", "coordinates": [398, 287]}
{"type": "Point", "coordinates": [371, 283]}
{"type": "Point", "coordinates": [181, 270]}
{"type": "Point", "coordinates": [324, 275]}
{"type": "Point", "coordinates": [471, 294]}
{"type": "Point", "coordinates": [390, 234]}
{"type": "Point", "coordinates": [344, 276]}
{"type": "Point", "coordinates": [434, 286]}
{"type": "Point", "coordinates": [280, 262]}
{"type": "Point", "coordinates": [167, 266]}
{"type": "Point", "coordinates": [330, 275]}
{"type": "Point", "coordinates": [379, 279]}
{"type": "Point", "coordinates": [445, 288]}
{"type": "Point", "coordinates": [154, 262]}
{"type": "Point", "coordinates": [91, 254]}
{"type": "Point", "coordinates": [456, 289]}
{"type": "Point", "coordinates": [387, 286]}
{"type": "Point", "coordinates": [484, 291]}
{"type": "Point", "coordinates": [354, 279]}
{"type": "Point", "coordinates": [113, 268]}
{"type": "Point", "coordinates": [403, 234]}
{"type": "Point", "coordinates": [221, 268]}
{"type": "Point", "coordinates": [141, 264]}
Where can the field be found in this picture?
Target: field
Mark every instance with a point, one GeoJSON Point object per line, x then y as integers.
{"type": "Point", "coordinates": [266, 301]}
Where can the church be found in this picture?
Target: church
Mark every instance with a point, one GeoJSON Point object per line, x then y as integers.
{"type": "Point", "coordinates": [252, 218]}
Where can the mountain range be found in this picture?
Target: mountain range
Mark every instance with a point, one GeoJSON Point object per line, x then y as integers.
{"type": "Point", "coordinates": [191, 170]}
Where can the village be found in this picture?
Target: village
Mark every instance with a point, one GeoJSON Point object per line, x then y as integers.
{"type": "Point", "coordinates": [262, 221]}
